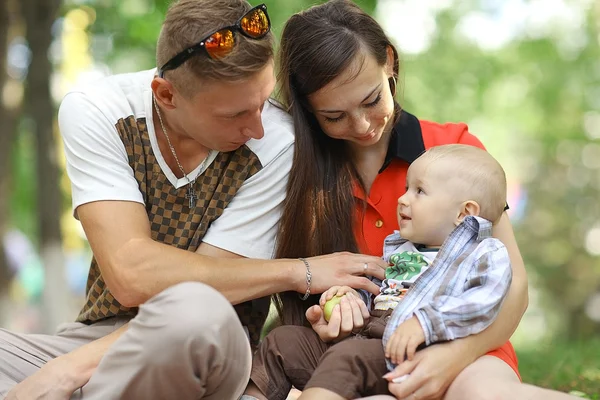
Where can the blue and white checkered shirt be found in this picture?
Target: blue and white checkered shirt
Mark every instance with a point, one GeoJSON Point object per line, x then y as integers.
{"type": "Point", "coordinates": [461, 293]}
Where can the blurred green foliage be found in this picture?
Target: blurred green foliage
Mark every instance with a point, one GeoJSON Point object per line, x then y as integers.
{"type": "Point", "coordinates": [133, 25]}
{"type": "Point", "coordinates": [533, 104]}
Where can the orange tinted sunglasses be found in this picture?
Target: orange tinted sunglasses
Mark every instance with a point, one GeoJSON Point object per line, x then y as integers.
{"type": "Point", "coordinates": [255, 24]}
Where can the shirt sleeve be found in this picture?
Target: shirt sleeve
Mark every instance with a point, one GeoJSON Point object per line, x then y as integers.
{"type": "Point", "coordinates": [97, 162]}
{"type": "Point", "coordinates": [248, 226]}
{"type": "Point", "coordinates": [473, 310]}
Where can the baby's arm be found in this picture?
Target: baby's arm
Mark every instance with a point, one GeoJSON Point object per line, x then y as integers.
{"type": "Point", "coordinates": [451, 317]}
{"type": "Point", "coordinates": [404, 341]}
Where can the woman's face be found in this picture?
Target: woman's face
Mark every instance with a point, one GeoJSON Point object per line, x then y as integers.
{"type": "Point", "coordinates": [356, 106]}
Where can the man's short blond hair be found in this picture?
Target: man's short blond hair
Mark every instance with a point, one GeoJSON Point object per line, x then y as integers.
{"type": "Point", "coordinates": [473, 174]}
{"type": "Point", "coordinates": [188, 22]}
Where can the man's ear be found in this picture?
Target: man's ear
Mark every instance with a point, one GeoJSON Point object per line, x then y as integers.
{"type": "Point", "coordinates": [163, 91]}
{"type": "Point", "coordinates": [469, 207]}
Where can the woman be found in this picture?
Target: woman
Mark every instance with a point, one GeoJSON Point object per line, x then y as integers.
{"type": "Point", "coordinates": [338, 75]}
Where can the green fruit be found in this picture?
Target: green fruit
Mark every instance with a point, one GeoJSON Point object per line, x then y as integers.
{"type": "Point", "coordinates": [328, 307]}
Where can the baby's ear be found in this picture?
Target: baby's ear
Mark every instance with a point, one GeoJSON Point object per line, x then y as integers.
{"type": "Point", "coordinates": [469, 207]}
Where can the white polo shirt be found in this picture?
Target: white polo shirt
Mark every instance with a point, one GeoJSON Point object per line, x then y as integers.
{"type": "Point", "coordinates": [91, 120]}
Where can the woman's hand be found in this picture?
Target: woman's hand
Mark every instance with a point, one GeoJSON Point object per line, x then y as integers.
{"type": "Point", "coordinates": [432, 370]}
{"type": "Point", "coordinates": [350, 315]}
{"type": "Point", "coordinates": [54, 381]}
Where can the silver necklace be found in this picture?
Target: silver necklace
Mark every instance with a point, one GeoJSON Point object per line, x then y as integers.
{"type": "Point", "coordinates": [190, 195]}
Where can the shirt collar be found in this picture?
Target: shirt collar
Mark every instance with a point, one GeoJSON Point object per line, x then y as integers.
{"type": "Point", "coordinates": [406, 142]}
{"type": "Point", "coordinates": [482, 226]}
{"type": "Point", "coordinates": [478, 228]}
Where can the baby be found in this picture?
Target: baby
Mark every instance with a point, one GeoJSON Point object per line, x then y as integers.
{"type": "Point", "coordinates": [448, 278]}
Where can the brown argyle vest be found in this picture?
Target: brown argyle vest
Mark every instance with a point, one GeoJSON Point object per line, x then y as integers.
{"type": "Point", "coordinates": [170, 218]}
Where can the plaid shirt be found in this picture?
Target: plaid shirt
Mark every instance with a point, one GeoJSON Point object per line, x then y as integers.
{"type": "Point", "coordinates": [462, 292]}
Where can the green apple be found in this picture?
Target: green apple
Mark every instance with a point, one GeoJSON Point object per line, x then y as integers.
{"type": "Point", "coordinates": [328, 307]}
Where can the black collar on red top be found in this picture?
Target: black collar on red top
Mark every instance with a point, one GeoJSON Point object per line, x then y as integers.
{"type": "Point", "coordinates": [406, 142]}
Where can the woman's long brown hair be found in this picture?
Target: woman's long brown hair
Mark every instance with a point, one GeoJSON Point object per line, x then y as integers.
{"type": "Point", "coordinates": [319, 214]}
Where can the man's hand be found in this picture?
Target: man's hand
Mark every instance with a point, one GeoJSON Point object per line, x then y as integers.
{"type": "Point", "coordinates": [343, 269]}
{"type": "Point", "coordinates": [51, 382]}
{"type": "Point", "coordinates": [64, 375]}
{"type": "Point", "coordinates": [347, 316]}
{"type": "Point", "coordinates": [404, 341]}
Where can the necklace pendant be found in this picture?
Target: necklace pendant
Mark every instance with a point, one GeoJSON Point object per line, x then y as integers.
{"type": "Point", "coordinates": [191, 196]}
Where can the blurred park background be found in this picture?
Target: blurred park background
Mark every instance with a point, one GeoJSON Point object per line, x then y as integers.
{"type": "Point", "coordinates": [524, 74]}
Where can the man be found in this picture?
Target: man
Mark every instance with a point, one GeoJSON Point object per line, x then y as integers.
{"type": "Point", "coordinates": [177, 175]}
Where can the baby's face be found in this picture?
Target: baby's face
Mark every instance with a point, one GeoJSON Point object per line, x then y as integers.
{"type": "Point", "coordinates": [427, 212]}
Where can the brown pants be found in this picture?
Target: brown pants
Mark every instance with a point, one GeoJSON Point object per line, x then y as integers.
{"type": "Point", "coordinates": [294, 355]}
{"type": "Point", "coordinates": [185, 343]}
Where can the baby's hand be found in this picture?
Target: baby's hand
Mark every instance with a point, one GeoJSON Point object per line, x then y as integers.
{"type": "Point", "coordinates": [336, 291]}
{"type": "Point", "coordinates": [404, 341]}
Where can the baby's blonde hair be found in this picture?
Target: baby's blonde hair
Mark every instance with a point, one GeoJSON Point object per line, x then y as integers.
{"type": "Point", "coordinates": [473, 174]}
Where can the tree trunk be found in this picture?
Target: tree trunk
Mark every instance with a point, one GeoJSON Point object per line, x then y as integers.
{"type": "Point", "coordinates": [39, 16]}
{"type": "Point", "coordinates": [7, 134]}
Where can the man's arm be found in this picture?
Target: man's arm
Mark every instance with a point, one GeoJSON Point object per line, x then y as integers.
{"type": "Point", "coordinates": [135, 267]}
{"type": "Point", "coordinates": [86, 358]}
{"type": "Point", "coordinates": [63, 375]}
{"type": "Point", "coordinates": [67, 373]}
{"type": "Point", "coordinates": [73, 370]}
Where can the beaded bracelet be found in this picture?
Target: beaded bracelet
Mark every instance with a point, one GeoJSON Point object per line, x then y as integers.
{"type": "Point", "coordinates": [308, 279]}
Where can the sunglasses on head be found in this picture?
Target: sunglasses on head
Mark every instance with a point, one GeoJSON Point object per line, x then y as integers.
{"type": "Point", "coordinates": [255, 24]}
